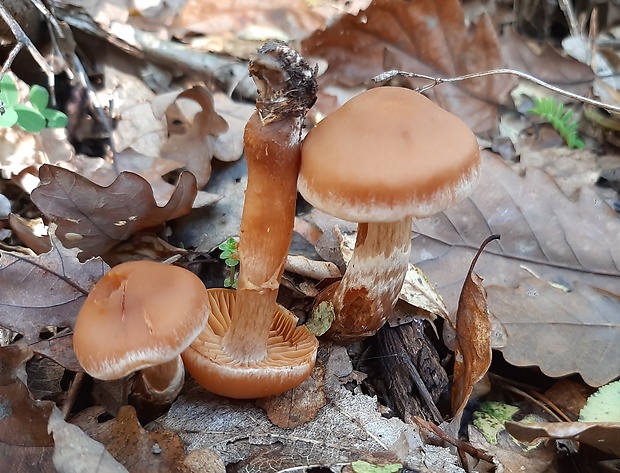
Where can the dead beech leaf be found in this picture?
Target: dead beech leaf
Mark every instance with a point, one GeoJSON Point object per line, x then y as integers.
{"type": "Point", "coordinates": [136, 449]}
{"type": "Point", "coordinates": [94, 218]}
{"type": "Point", "coordinates": [24, 442]}
{"type": "Point", "coordinates": [44, 290]}
{"type": "Point", "coordinates": [604, 436]}
{"type": "Point", "coordinates": [472, 353]}
{"type": "Point", "coordinates": [192, 140]}
{"type": "Point", "coordinates": [557, 268]}
{"type": "Point", "coordinates": [426, 37]}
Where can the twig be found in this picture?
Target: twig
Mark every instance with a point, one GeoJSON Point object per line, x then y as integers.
{"type": "Point", "coordinates": [51, 20]}
{"type": "Point", "coordinates": [459, 444]}
{"type": "Point", "coordinates": [23, 38]}
{"type": "Point", "coordinates": [569, 12]}
{"type": "Point", "coordinates": [14, 52]}
{"type": "Point", "coordinates": [441, 80]}
{"type": "Point", "coordinates": [72, 394]}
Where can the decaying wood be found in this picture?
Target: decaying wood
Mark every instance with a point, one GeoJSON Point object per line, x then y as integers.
{"type": "Point", "coordinates": [412, 377]}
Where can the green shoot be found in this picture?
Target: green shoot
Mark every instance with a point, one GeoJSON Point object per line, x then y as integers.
{"type": "Point", "coordinates": [560, 119]}
{"type": "Point", "coordinates": [31, 117]}
{"type": "Point", "coordinates": [230, 255]}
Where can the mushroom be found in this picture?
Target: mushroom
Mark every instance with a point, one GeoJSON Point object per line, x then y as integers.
{"type": "Point", "coordinates": [251, 348]}
{"type": "Point", "coordinates": [140, 316]}
{"type": "Point", "coordinates": [387, 155]}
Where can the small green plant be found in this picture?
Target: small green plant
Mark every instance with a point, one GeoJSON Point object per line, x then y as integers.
{"type": "Point", "coordinates": [230, 255]}
{"type": "Point", "coordinates": [550, 110]}
{"type": "Point", "coordinates": [31, 117]}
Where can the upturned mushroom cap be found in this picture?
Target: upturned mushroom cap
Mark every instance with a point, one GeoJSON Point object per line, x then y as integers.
{"type": "Point", "coordinates": [139, 314]}
{"type": "Point", "coordinates": [387, 154]}
{"type": "Point", "coordinates": [291, 354]}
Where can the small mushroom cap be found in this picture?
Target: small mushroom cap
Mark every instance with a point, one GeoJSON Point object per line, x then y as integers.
{"type": "Point", "coordinates": [139, 314]}
{"type": "Point", "coordinates": [291, 354]}
{"type": "Point", "coordinates": [387, 154]}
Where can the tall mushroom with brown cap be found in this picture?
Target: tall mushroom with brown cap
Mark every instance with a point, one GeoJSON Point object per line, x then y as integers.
{"type": "Point", "coordinates": [140, 316]}
{"type": "Point", "coordinates": [387, 155]}
{"type": "Point", "coordinates": [251, 347]}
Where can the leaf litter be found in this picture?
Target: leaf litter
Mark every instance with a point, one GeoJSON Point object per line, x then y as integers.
{"type": "Point", "coordinates": [556, 252]}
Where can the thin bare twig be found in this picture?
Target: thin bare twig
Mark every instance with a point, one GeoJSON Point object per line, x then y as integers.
{"type": "Point", "coordinates": [441, 80]}
{"type": "Point", "coordinates": [14, 52]}
{"type": "Point", "coordinates": [569, 12]}
{"type": "Point", "coordinates": [460, 444]}
{"type": "Point", "coordinates": [49, 17]}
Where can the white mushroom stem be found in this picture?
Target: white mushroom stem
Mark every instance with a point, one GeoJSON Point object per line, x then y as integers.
{"type": "Point", "coordinates": [365, 296]}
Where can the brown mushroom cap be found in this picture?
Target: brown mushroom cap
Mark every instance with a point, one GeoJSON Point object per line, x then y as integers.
{"type": "Point", "coordinates": [387, 154]}
{"type": "Point", "coordinates": [291, 354]}
{"type": "Point", "coordinates": [139, 314]}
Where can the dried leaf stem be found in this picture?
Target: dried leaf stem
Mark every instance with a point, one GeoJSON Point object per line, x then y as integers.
{"type": "Point", "coordinates": [441, 80]}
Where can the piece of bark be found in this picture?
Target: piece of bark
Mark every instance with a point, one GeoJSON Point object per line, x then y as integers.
{"type": "Point", "coordinates": [412, 378]}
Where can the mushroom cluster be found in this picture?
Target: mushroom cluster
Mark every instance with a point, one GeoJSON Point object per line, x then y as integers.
{"type": "Point", "coordinates": [387, 155]}
{"type": "Point", "coordinates": [251, 347]}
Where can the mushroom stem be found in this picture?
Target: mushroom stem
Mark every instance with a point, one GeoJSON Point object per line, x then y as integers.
{"type": "Point", "coordinates": [372, 282]}
{"type": "Point", "coordinates": [273, 155]}
{"type": "Point", "coordinates": [160, 383]}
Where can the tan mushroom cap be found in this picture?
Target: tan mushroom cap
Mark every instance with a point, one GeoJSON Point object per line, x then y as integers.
{"type": "Point", "coordinates": [387, 154]}
{"type": "Point", "coordinates": [139, 314]}
{"type": "Point", "coordinates": [291, 355]}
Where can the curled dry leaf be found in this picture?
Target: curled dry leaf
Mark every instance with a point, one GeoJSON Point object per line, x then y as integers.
{"type": "Point", "coordinates": [552, 281]}
{"type": "Point", "coordinates": [604, 436]}
{"type": "Point", "coordinates": [426, 37]}
{"type": "Point", "coordinates": [192, 139]}
{"type": "Point", "coordinates": [94, 218]}
{"type": "Point", "coordinates": [44, 290]}
{"type": "Point", "coordinates": [472, 354]}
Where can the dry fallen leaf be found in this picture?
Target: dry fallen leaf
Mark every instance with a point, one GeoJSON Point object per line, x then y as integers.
{"type": "Point", "coordinates": [192, 139]}
{"type": "Point", "coordinates": [553, 279]}
{"type": "Point", "coordinates": [310, 268]}
{"type": "Point", "coordinates": [76, 452]}
{"type": "Point", "coordinates": [135, 448]}
{"type": "Point", "coordinates": [213, 17]}
{"type": "Point", "coordinates": [299, 405]}
{"type": "Point", "coordinates": [24, 442]}
{"type": "Point", "coordinates": [426, 37]}
{"type": "Point", "coordinates": [94, 218]}
{"type": "Point", "coordinates": [604, 436]}
{"type": "Point", "coordinates": [472, 353]}
{"type": "Point", "coordinates": [44, 290]}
